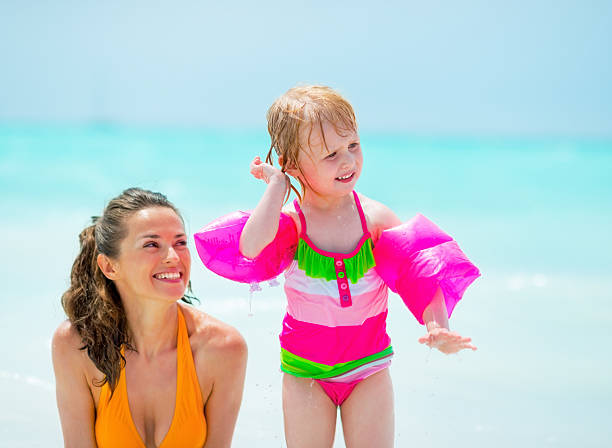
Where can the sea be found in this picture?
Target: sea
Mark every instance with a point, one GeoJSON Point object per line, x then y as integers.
{"type": "Point", "coordinates": [534, 213]}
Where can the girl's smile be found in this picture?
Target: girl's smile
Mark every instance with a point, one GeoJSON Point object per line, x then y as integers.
{"type": "Point", "coordinates": [345, 179]}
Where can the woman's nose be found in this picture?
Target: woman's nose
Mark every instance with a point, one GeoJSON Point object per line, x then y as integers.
{"type": "Point", "coordinates": [171, 255]}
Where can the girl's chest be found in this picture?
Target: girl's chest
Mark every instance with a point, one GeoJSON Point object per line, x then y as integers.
{"type": "Point", "coordinates": [333, 235]}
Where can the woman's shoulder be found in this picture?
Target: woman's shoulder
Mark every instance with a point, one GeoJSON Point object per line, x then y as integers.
{"type": "Point", "coordinates": [66, 343]}
{"type": "Point", "coordinates": [219, 350]}
{"type": "Point", "coordinates": [68, 353]}
{"type": "Point", "coordinates": [212, 337]}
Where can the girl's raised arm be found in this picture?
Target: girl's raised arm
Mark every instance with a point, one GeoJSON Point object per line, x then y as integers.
{"type": "Point", "coordinates": [262, 225]}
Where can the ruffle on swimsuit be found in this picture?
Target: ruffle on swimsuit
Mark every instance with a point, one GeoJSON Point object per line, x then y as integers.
{"type": "Point", "coordinates": [316, 265]}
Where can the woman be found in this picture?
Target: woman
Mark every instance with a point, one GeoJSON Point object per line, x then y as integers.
{"type": "Point", "coordinates": [127, 335]}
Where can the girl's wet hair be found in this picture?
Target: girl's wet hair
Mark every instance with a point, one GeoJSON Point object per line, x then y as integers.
{"type": "Point", "coordinates": [92, 302]}
{"type": "Point", "coordinates": [302, 109]}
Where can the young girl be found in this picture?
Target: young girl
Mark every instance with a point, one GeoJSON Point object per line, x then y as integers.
{"type": "Point", "coordinates": [335, 351]}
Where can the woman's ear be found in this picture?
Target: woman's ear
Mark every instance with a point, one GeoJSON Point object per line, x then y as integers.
{"type": "Point", "coordinates": [107, 267]}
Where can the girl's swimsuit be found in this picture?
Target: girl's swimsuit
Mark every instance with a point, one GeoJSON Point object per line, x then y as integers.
{"type": "Point", "coordinates": [335, 327]}
{"type": "Point", "coordinates": [114, 425]}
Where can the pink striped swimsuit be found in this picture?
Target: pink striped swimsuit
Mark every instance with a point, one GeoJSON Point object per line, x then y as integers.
{"type": "Point", "coordinates": [335, 327]}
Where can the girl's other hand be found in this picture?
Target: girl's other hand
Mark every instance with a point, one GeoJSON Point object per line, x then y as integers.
{"type": "Point", "coordinates": [446, 341]}
{"type": "Point", "coordinates": [265, 171]}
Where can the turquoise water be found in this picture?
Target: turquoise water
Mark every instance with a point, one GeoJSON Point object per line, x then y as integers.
{"type": "Point", "coordinates": [533, 213]}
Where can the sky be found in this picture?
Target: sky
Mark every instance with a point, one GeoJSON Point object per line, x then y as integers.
{"type": "Point", "coordinates": [436, 67]}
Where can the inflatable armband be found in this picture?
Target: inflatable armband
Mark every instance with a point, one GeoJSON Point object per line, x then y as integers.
{"type": "Point", "coordinates": [416, 258]}
{"type": "Point", "coordinates": [217, 245]}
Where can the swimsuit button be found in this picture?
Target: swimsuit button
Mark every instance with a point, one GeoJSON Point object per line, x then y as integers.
{"type": "Point", "coordinates": [338, 263]}
{"type": "Point", "coordinates": [343, 286]}
{"type": "Point", "coordinates": [340, 274]}
{"type": "Point", "coordinates": [345, 298]}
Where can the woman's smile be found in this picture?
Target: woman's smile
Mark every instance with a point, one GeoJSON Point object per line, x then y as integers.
{"type": "Point", "coordinates": [168, 276]}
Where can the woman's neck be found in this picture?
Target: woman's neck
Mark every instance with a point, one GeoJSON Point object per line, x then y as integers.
{"type": "Point", "coordinates": [153, 327]}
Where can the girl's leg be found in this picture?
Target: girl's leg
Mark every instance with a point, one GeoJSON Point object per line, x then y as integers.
{"type": "Point", "coordinates": [310, 415]}
{"type": "Point", "coordinates": [367, 414]}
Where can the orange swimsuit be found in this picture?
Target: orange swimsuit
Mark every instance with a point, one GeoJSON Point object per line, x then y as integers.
{"type": "Point", "coordinates": [114, 425]}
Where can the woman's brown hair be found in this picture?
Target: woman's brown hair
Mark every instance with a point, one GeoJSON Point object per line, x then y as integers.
{"type": "Point", "coordinates": [92, 302]}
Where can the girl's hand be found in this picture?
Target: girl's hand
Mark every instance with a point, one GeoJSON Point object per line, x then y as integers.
{"type": "Point", "coordinates": [446, 341]}
{"type": "Point", "coordinates": [265, 171]}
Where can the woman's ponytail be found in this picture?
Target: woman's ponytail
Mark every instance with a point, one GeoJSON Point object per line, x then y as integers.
{"type": "Point", "coordinates": [94, 307]}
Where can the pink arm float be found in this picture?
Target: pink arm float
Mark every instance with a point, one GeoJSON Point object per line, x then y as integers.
{"type": "Point", "coordinates": [415, 258]}
{"type": "Point", "coordinates": [217, 244]}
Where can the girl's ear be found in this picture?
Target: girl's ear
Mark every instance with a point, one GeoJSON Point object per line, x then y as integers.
{"type": "Point", "coordinates": [107, 267]}
{"type": "Point", "coordinates": [289, 169]}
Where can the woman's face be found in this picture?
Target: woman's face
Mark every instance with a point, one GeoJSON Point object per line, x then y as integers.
{"type": "Point", "coordinates": [154, 260]}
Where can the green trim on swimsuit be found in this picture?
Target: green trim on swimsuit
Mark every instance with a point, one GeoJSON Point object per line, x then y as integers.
{"type": "Point", "coordinates": [301, 367]}
{"type": "Point", "coordinates": [316, 265]}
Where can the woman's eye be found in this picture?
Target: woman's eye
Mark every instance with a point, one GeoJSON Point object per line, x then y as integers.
{"type": "Point", "coordinates": [331, 156]}
{"type": "Point", "coordinates": [151, 244]}
{"type": "Point", "coordinates": [353, 145]}
{"type": "Point", "coordinates": [181, 243]}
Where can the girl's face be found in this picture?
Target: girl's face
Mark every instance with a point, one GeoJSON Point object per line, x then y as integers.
{"type": "Point", "coordinates": [154, 260]}
{"type": "Point", "coordinates": [332, 169]}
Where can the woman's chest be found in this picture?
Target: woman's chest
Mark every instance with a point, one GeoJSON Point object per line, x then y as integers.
{"type": "Point", "coordinates": [152, 396]}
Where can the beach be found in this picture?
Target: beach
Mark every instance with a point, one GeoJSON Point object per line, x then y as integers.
{"type": "Point", "coordinates": [532, 213]}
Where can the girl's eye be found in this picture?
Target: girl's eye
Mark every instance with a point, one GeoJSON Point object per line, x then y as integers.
{"type": "Point", "coordinates": [331, 156]}
{"type": "Point", "coordinates": [353, 145]}
{"type": "Point", "coordinates": [181, 243]}
{"type": "Point", "coordinates": [151, 244]}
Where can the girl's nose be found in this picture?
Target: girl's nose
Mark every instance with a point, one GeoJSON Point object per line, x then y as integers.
{"type": "Point", "coordinates": [347, 160]}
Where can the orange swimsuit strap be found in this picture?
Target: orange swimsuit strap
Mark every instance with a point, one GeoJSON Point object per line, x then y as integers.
{"type": "Point", "coordinates": [114, 425]}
